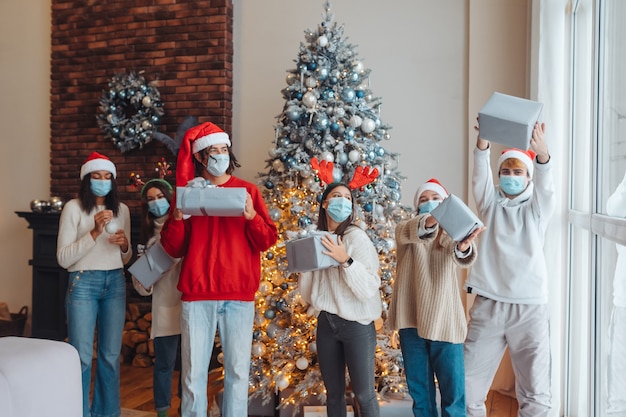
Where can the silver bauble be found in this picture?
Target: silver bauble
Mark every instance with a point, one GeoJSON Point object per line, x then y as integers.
{"type": "Point", "coordinates": [56, 204]}
{"type": "Point", "coordinates": [36, 206]}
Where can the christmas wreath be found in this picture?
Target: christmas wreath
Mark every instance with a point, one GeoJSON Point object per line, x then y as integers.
{"type": "Point", "coordinates": [130, 110]}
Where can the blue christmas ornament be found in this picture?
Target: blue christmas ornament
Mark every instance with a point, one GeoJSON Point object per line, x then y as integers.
{"type": "Point", "coordinates": [283, 157]}
{"type": "Point", "coordinates": [312, 66]}
{"type": "Point", "coordinates": [293, 113]}
{"type": "Point", "coordinates": [322, 73]}
{"type": "Point", "coordinates": [284, 286]}
{"type": "Point", "coordinates": [269, 314]}
{"type": "Point", "coordinates": [291, 162]}
{"type": "Point", "coordinates": [269, 256]}
{"type": "Point", "coordinates": [333, 80]}
{"type": "Point", "coordinates": [321, 121]}
{"type": "Point", "coordinates": [367, 207]}
{"type": "Point", "coordinates": [360, 93]}
{"type": "Point", "coordinates": [348, 95]}
{"type": "Point", "coordinates": [256, 335]}
{"type": "Point", "coordinates": [380, 151]}
{"type": "Point", "coordinates": [304, 221]}
{"type": "Point", "coordinates": [353, 77]}
{"type": "Point", "coordinates": [269, 184]}
{"type": "Point", "coordinates": [348, 134]}
{"type": "Point", "coordinates": [334, 126]}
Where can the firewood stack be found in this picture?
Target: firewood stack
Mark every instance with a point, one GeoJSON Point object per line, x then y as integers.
{"type": "Point", "coordinates": [137, 347]}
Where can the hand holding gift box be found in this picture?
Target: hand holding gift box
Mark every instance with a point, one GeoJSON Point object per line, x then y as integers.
{"type": "Point", "coordinates": [306, 254]}
{"type": "Point", "coordinates": [151, 266]}
{"type": "Point", "coordinates": [201, 199]}
{"type": "Point", "coordinates": [456, 218]}
{"type": "Point", "coordinates": [509, 120]}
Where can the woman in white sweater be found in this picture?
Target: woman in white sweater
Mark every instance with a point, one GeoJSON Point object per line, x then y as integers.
{"type": "Point", "coordinates": [93, 246]}
{"type": "Point", "coordinates": [348, 300]}
{"type": "Point", "coordinates": [156, 196]}
{"type": "Point", "coordinates": [427, 309]}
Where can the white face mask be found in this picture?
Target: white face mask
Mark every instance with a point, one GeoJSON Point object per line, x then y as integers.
{"type": "Point", "coordinates": [218, 164]}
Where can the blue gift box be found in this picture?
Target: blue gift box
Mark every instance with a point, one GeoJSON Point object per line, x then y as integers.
{"type": "Point", "coordinates": [151, 266]}
{"type": "Point", "coordinates": [211, 201]}
{"type": "Point", "coordinates": [458, 220]}
{"type": "Point", "coordinates": [305, 254]}
{"type": "Point", "coordinates": [509, 120]}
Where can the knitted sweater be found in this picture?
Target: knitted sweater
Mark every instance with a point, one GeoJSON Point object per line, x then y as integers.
{"type": "Point", "coordinates": [76, 249]}
{"type": "Point", "coordinates": [426, 292]}
{"type": "Point", "coordinates": [352, 293]}
{"type": "Point", "coordinates": [166, 304]}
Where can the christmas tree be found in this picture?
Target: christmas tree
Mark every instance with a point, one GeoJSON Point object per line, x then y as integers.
{"type": "Point", "coordinates": [330, 114]}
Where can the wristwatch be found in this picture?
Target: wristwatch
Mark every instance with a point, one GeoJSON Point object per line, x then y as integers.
{"type": "Point", "coordinates": [348, 262]}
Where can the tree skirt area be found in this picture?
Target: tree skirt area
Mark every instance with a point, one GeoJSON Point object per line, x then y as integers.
{"type": "Point", "coordinates": [127, 412]}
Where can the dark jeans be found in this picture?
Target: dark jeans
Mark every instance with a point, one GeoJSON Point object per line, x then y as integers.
{"type": "Point", "coordinates": [166, 355]}
{"type": "Point", "coordinates": [342, 343]}
{"type": "Point", "coordinates": [423, 359]}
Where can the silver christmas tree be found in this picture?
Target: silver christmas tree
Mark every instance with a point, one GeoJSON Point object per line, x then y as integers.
{"type": "Point", "coordinates": [330, 115]}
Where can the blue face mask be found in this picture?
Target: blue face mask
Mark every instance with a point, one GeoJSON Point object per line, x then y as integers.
{"type": "Point", "coordinates": [428, 206]}
{"type": "Point", "coordinates": [512, 184]}
{"type": "Point", "coordinates": [218, 164]}
{"type": "Point", "coordinates": [339, 208]}
{"type": "Point", "coordinates": [158, 207]}
{"type": "Point", "coordinates": [100, 187]}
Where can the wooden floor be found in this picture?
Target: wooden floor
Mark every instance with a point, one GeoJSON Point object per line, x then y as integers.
{"type": "Point", "coordinates": [136, 393]}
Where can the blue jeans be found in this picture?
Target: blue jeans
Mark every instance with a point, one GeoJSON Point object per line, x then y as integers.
{"type": "Point", "coordinates": [165, 354]}
{"type": "Point", "coordinates": [342, 343]}
{"type": "Point", "coordinates": [199, 322]}
{"type": "Point", "coordinates": [423, 359]}
{"type": "Point", "coordinates": [98, 299]}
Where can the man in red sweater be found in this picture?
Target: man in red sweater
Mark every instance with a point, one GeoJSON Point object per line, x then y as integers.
{"type": "Point", "coordinates": [220, 273]}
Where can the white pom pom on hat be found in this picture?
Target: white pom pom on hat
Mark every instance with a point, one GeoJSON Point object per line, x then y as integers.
{"type": "Point", "coordinates": [97, 162]}
{"type": "Point", "coordinates": [432, 185]}
{"type": "Point", "coordinates": [526, 157]}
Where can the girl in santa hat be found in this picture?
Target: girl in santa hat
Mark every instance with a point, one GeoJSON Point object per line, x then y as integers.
{"type": "Point", "coordinates": [93, 246]}
{"type": "Point", "coordinates": [156, 198]}
{"type": "Point", "coordinates": [510, 277]}
{"type": "Point", "coordinates": [220, 272]}
{"type": "Point", "coordinates": [426, 306]}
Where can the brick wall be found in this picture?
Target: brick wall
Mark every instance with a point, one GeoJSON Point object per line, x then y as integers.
{"type": "Point", "coordinates": [186, 45]}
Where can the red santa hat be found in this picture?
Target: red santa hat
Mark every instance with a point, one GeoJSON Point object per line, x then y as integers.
{"type": "Point", "coordinates": [526, 157]}
{"type": "Point", "coordinates": [97, 162]}
{"type": "Point", "coordinates": [196, 139]}
{"type": "Point", "coordinates": [432, 185]}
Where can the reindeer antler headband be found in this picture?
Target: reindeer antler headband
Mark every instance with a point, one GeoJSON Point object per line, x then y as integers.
{"type": "Point", "coordinates": [362, 175]}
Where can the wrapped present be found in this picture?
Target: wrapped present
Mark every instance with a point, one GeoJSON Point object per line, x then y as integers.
{"type": "Point", "coordinates": [211, 201]}
{"type": "Point", "coordinates": [151, 266]}
{"type": "Point", "coordinates": [305, 254]}
{"type": "Point", "coordinates": [509, 120]}
{"type": "Point", "coordinates": [456, 218]}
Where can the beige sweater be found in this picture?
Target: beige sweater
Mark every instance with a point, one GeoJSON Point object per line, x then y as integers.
{"type": "Point", "coordinates": [426, 292]}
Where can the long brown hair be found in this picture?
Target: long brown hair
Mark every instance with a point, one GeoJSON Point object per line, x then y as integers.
{"type": "Point", "coordinates": [322, 223]}
{"type": "Point", "coordinates": [88, 198]}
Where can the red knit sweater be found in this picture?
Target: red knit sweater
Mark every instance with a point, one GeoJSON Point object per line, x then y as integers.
{"type": "Point", "coordinates": [221, 255]}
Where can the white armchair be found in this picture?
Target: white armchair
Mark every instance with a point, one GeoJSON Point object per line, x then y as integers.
{"type": "Point", "coordinates": [39, 378]}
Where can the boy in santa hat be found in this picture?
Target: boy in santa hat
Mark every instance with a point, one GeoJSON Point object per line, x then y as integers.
{"type": "Point", "coordinates": [220, 273]}
{"type": "Point", "coordinates": [510, 278]}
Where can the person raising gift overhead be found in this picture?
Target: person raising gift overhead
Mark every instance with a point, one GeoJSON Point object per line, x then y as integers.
{"type": "Point", "coordinates": [220, 271]}
{"type": "Point", "coordinates": [510, 277]}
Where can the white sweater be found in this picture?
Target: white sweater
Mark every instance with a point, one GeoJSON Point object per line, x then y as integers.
{"type": "Point", "coordinates": [616, 206]}
{"type": "Point", "coordinates": [351, 293]}
{"type": "Point", "coordinates": [511, 265]}
{"type": "Point", "coordinates": [76, 249]}
{"type": "Point", "coordinates": [166, 304]}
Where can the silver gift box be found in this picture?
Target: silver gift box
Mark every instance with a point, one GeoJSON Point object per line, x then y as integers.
{"type": "Point", "coordinates": [151, 266]}
{"type": "Point", "coordinates": [509, 120]}
{"type": "Point", "coordinates": [211, 201]}
{"type": "Point", "coordinates": [456, 218]}
{"type": "Point", "coordinates": [305, 254]}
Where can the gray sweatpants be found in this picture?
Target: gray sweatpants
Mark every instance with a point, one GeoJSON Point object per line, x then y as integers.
{"type": "Point", "coordinates": [525, 328]}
